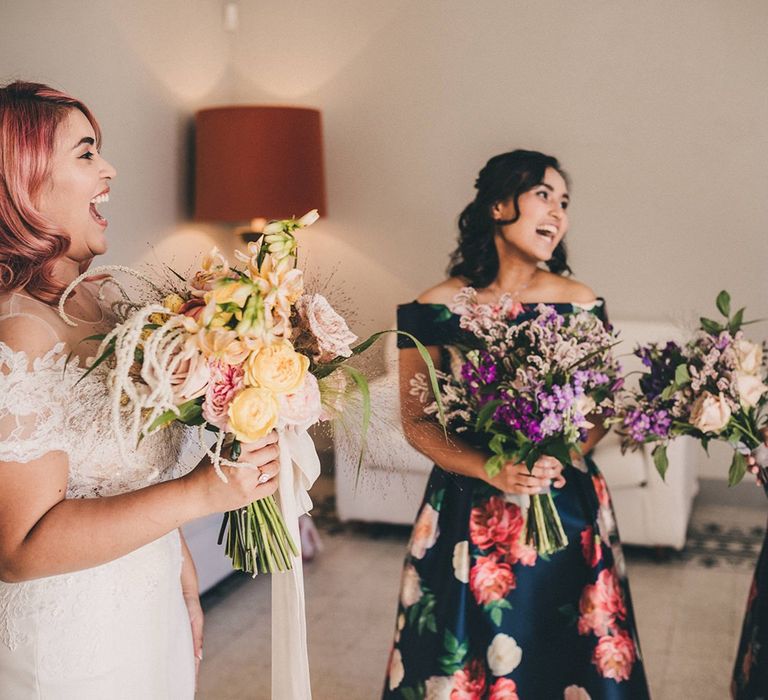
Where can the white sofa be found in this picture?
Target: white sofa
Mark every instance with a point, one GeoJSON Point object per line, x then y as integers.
{"type": "Point", "coordinates": [389, 489]}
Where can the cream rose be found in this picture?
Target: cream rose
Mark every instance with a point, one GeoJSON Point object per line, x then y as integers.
{"type": "Point", "coordinates": [277, 367]}
{"type": "Point", "coordinates": [750, 388]}
{"type": "Point", "coordinates": [710, 413]}
{"type": "Point", "coordinates": [253, 414]}
{"type": "Point", "coordinates": [461, 561]}
{"type": "Point", "coordinates": [425, 531]}
{"type": "Point", "coordinates": [330, 330]}
{"type": "Point", "coordinates": [303, 407]}
{"type": "Point", "coordinates": [410, 589]}
{"type": "Point", "coordinates": [439, 688]}
{"type": "Point", "coordinates": [749, 356]}
{"type": "Point", "coordinates": [504, 655]}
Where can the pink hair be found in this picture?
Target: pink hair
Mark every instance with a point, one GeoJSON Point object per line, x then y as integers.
{"type": "Point", "coordinates": [30, 245]}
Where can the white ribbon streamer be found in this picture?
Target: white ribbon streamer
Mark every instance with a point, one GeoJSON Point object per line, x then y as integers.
{"type": "Point", "coordinates": [299, 468]}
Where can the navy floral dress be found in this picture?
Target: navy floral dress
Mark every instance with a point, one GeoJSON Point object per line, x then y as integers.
{"type": "Point", "coordinates": [482, 614]}
{"type": "Point", "coordinates": [750, 673]}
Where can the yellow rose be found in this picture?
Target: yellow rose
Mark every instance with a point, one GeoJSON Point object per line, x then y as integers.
{"type": "Point", "coordinates": [278, 367]}
{"type": "Point", "coordinates": [234, 291]}
{"type": "Point", "coordinates": [173, 302]}
{"type": "Point", "coordinates": [253, 414]}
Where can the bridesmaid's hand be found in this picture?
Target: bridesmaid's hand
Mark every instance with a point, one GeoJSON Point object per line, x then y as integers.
{"type": "Point", "coordinates": [752, 462]}
{"type": "Point", "coordinates": [515, 478]}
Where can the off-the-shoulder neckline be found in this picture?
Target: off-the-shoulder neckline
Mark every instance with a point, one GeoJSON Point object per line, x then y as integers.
{"type": "Point", "coordinates": [588, 306]}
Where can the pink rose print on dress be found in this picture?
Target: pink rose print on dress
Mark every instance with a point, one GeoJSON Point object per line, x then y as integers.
{"type": "Point", "coordinates": [504, 689]}
{"type": "Point", "coordinates": [469, 682]}
{"type": "Point", "coordinates": [594, 615]}
{"type": "Point", "coordinates": [614, 656]}
{"type": "Point", "coordinates": [498, 525]}
{"type": "Point", "coordinates": [601, 489]}
{"type": "Point", "coordinates": [425, 532]}
{"type": "Point", "coordinates": [591, 546]}
{"type": "Point", "coordinates": [495, 524]}
{"type": "Point", "coordinates": [490, 579]}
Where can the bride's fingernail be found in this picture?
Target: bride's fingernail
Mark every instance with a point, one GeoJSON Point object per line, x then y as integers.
{"type": "Point", "coordinates": [264, 478]}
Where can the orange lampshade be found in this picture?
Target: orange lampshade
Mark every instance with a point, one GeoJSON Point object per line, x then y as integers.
{"type": "Point", "coordinates": [258, 162]}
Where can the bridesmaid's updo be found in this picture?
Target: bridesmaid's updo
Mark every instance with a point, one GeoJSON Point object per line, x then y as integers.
{"type": "Point", "coordinates": [504, 176]}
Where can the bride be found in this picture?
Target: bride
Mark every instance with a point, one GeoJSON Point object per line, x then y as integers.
{"type": "Point", "coordinates": [98, 592]}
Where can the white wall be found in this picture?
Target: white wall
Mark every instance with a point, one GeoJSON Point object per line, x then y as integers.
{"type": "Point", "coordinates": [658, 110]}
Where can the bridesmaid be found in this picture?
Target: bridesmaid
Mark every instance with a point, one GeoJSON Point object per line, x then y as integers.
{"type": "Point", "coordinates": [481, 614]}
{"type": "Point", "coordinates": [750, 672]}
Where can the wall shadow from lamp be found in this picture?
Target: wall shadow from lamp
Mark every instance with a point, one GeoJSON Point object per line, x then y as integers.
{"type": "Point", "coordinates": [257, 163]}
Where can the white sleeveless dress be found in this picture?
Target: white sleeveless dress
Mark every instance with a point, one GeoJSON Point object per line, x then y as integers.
{"type": "Point", "coordinates": [119, 630]}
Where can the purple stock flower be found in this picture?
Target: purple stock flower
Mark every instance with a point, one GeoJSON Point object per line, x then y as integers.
{"type": "Point", "coordinates": [640, 425]}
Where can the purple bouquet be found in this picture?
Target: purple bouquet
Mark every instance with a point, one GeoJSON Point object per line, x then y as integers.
{"type": "Point", "coordinates": [711, 388]}
{"type": "Point", "coordinates": [528, 389]}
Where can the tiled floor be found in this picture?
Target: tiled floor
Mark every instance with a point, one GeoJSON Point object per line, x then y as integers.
{"type": "Point", "coordinates": [688, 614]}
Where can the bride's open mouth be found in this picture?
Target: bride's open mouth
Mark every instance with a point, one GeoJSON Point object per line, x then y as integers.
{"type": "Point", "coordinates": [100, 198]}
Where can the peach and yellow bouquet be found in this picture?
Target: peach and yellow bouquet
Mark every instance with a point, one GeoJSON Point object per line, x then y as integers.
{"type": "Point", "coordinates": [239, 350]}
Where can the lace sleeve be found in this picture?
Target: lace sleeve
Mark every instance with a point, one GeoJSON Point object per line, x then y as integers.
{"type": "Point", "coordinates": [33, 389]}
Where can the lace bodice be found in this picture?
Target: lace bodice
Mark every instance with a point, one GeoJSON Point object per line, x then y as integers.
{"type": "Point", "coordinates": [47, 404]}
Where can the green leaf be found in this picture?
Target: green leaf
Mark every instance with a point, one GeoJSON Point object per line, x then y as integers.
{"type": "Point", "coordinates": [494, 464]}
{"type": "Point", "coordinates": [496, 444]}
{"type": "Point", "coordinates": [660, 459]}
{"type": "Point", "coordinates": [365, 393]}
{"type": "Point", "coordinates": [560, 452]}
{"type": "Point", "coordinates": [737, 321]}
{"type": "Point", "coordinates": [668, 392]}
{"type": "Point", "coordinates": [738, 469]}
{"type": "Point", "coordinates": [710, 326]}
{"type": "Point", "coordinates": [485, 414]}
{"type": "Point", "coordinates": [108, 352]}
{"type": "Point", "coordinates": [496, 616]}
{"type": "Point", "coordinates": [682, 376]}
{"type": "Point", "coordinates": [724, 303]}
{"type": "Point", "coordinates": [190, 413]}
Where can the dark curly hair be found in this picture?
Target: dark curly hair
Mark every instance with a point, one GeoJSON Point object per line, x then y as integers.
{"type": "Point", "coordinates": [504, 176]}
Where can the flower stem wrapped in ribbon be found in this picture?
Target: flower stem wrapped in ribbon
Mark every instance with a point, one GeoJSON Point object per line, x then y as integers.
{"type": "Point", "coordinates": [711, 388]}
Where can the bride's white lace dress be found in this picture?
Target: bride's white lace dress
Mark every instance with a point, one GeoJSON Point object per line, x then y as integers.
{"type": "Point", "coordinates": [119, 630]}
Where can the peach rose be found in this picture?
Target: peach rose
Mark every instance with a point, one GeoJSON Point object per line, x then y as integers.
{"type": "Point", "coordinates": [222, 344]}
{"type": "Point", "coordinates": [709, 413]}
{"type": "Point", "coordinates": [425, 531]}
{"type": "Point", "coordinates": [302, 408]}
{"type": "Point", "coordinates": [277, 367]}
{"type": "Point", "coordinates": [188, 380]}
{"type": "Point", "coordinates": [490, 579]}
{"type": "Point", "coordinates": [396, 669]}
{"type": "Point", "coordinates": [329, 329]}
{"type": "Point", "coordinates": [504, 689]}
{"type": "Point", "coordinates": [614, 656]}
{"type": "Point", "coordinates": [253, 414]}
{"type": "Point", "coordinates": [469, 682]}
